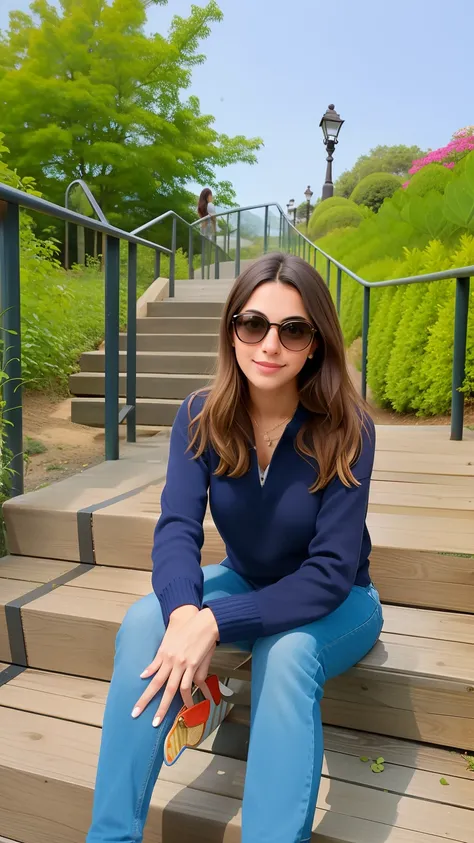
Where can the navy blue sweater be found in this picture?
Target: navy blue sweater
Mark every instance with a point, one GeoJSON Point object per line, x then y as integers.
{"type": "Point", "coordinates": [302, 552]}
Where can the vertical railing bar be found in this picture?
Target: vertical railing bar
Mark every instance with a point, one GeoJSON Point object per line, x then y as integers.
{"type": "Point", "coordinates": [190, 253]}
{"type": "Point", "coordinates": [459, 357]}
{"type": "Point", "coordinates": [304, 250]}
{"type": "Point", "coordinates": [11, 336]}
{"type": "Point", "coordinates": [328, 273]}
{"type": "Point", "coordinates": [280, 232]}
{"type": "Point", "coordinates": [237, 247]}
{"type": "Point", "coordinates": [157, 263]}
{"type": "Point", "coordinates": [203, 265]}
{"type": "Point", "coordinates": [265, 231]}
{"type": "Point", "coordinates": [172, 258]}
{"type": "Point", "coordinates": [131, 398]}
{"type": "Point", "coordinates": [365, 338]}
{"type": "Point", "coordinates": [216, 263]}
{"type": "Point", "coordinates": [112, 301]}
{"type": "Point", "coordinates": [338, 290]}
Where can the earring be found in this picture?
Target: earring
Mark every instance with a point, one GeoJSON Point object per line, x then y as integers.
{"type": "Point", "coordinates": [310, 356]}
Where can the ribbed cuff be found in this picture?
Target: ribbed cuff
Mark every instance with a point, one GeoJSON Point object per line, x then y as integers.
{"type": "Point", "coordinates": [180, 592]}
{"type": "Point", "coordinates": [237, 617]}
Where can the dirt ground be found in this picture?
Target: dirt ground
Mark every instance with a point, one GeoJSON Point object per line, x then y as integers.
{"type": "Point", "coordinates": [69, 448]}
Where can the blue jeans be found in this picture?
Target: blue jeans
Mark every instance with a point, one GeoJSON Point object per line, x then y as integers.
{"type": "Point", "coordinates": [289, 671]}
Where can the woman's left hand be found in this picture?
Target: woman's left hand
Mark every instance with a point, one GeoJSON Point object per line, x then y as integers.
{"type": "Point", "coordinates": [184, 658]}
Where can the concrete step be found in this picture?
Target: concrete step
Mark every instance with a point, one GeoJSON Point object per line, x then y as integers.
{"type": "Point", "coordinates": [172, 342]}
{"type": "Point", "coordinates": [177, 308]}
{"type": "Point", "coordinates": [178, 325]}
{"type": "Point", "coordinates": [150, 411]}
{"type": "Point", "coordinates": [157, 362]}
{"type": "Point", "coordinates": [149, 385]}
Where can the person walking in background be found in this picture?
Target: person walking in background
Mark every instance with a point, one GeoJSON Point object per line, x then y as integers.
{"type": "Point", "coordinates": [207, 212]}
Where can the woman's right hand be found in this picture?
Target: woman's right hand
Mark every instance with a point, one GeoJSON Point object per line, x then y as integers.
{"type": "Point", "coordinates": [181, 660]}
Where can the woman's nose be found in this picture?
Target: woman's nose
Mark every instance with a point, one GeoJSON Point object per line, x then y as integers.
{"type": "Point", "coordinates": [271, 343]}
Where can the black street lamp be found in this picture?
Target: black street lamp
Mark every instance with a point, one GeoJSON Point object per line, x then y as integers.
{"type": "Point", "coordinates": [308, 194]}
{"type": "Point", "coordinates": [291, 207]}
{"type": "Point", "coordinates": [331, 125]}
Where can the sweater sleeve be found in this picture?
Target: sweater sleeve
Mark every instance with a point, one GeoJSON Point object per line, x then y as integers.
{"type": "Point", "coordinates": [326, 576]}
{"type": "Point", "coordinates": [177, 576]}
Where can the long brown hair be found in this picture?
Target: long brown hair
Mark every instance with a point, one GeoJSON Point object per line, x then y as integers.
{"type": "Point", "coordinates": [203, 200]}
{"type": "Point", "coordinates": [332, 433]}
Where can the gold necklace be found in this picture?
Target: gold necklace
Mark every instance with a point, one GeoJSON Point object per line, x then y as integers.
{"type": "Point", "coordinates": [266, 433]}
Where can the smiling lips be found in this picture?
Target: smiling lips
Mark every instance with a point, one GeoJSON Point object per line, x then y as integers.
{"type": "Point", "coordinates": [268, 367]}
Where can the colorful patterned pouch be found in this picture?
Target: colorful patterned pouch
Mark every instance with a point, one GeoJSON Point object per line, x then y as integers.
{"type": "Point", "coordinates": [193, 725]}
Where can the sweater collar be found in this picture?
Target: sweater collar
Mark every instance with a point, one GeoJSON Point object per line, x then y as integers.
{"type": "Point", "coordinates": [300, 416]}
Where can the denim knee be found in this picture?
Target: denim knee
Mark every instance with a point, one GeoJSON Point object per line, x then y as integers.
{"type": "Point", "coordinates": [143, 623]}
{"type": "Point", "coordinates": [289, 658]}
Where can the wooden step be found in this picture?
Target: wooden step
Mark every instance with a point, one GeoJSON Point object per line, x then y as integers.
{"type": "Point", "coordinates": [417, 682]}
{"type": "Point", "coordinates": [417, 560]}
{"type": "Point", "coordinates": [176, 307]}
{"type": "Point", "coordinates": [178, 324]}
{"type": "Point", "coordinates": [165, 362]}
{"type": "Point", "coordinates": [53, 760]}
{"type": "Point", "coordinates": [172, 342]}
{"type": "Point", "coordinates": [148, 385]}
{"type": "Point", "coordinates": [152, 412]}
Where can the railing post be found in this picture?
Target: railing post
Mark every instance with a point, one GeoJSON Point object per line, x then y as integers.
{"type": "Point", "coordinates": [365, 341]}
{"type": "Point", "coordinates": [328, 273]}
{"type": "Point", "coordinates": [172, 258]}
{"type": "Point", "coordinates": [112, 292]}
{"type": "Point", "coordinates": [304, 250]}
{"type": "Point", "coordinates": [237, 246]}
{"type": "Point", "coordinates": [265, 232]}
{"type": "Point", "coordinates": [11, 336]}
{"type": "Point", "coordinates": [157, 263]}
{"type": "Point", "coordinates": [216, 263]}
{"type": "Point", "coordinates": [280, 232]}
{"type": "Point", "coordinates": [459, 357]}
{"type": "Point", "coordinates": [315, 258]}
{"type": "Point", "coordinates": [190, 253]}
{"type": "Point", "coordinates": [338, 290]}
{"type": "Point", "coordinates": [131, 398]}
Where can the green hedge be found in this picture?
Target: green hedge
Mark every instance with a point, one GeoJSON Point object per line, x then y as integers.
{"type": "Point", "coordinates": [432, 177]}
{"type": "Point", "coordinates": [339, 216]}
{"type": "Point", "coordinates": [374, 189]}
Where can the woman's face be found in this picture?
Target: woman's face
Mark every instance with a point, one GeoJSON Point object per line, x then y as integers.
{"type": "Point", "coordinates": [209, 198]}
{"type": "Point", "coordinates": [268, 365]}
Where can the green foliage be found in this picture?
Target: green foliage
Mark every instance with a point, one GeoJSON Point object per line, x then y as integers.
{"type": "Point", "coordinates": [374, 189]}
{"type": "Point", "coordinates": [106, 102]}
{"type": "Point", "coordinates": [339, 216]}
{"type": "Point", "coordinates": [432, 177]}
{"type": "Point", "coordinates": [322, 207]}
{"type": "Point", "coordinates": [383, 159]}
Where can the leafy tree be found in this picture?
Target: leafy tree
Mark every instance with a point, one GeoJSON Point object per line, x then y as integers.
{"type": "Point", "coordinates": [86, 93]}
{"type": "Point", "coordinates": [302, 210]}
{"type": "Point", "coordinates": [382, 159]}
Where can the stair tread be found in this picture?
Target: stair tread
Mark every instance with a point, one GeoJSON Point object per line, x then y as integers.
{"type": "Point", "coordinates": [360, 807]}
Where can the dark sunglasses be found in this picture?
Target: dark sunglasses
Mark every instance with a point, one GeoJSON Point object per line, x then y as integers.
{"type": "Point", "coordinates": [294, 334]}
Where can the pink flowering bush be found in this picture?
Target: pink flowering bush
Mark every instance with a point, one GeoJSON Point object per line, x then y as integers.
{"type": "Point", "coordinates": [461, 143]}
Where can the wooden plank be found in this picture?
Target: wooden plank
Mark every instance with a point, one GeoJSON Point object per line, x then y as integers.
{"type": "Point", "coordinates": [413, 478]}
{"type": "Point", "coordinates": [36, 751]}
{"type": "Point", "coordinates": [10, 590]}
{"type": "Point", "coordinates": [44, 523]}
{"type": "Point", "coordinates": [421, 495]}
{"type": "Point", "coordinates": [442, 626]}
{"type": "Point", "coordinates": [400, 460]}
{"type": "Point", "coordinates": [33, 569]}
{"type": "Point", "coordinates": [83, 700]}
{"type": "Point", "coordinates": [420, 533]}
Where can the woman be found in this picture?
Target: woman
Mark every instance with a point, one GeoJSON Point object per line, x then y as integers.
{"type": "Point", "coordinates": [285, 449]}
{"type": "Point", "coordinates": [207, 212]}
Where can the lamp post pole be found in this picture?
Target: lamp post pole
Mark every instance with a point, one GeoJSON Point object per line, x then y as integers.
{"type": "Point", "coordinates": [331, 123]}
{"type": "Point", "coordinates": [308, 194]}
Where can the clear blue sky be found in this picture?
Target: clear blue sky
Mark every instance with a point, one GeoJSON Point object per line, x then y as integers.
{"type": "Point", "coordinates": [398, 72]}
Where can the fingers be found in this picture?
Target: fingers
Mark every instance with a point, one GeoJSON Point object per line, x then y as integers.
{"type": "Point", "coordinates": [171, 690]}
{"type": "Point", "coordinates": [186, 688]}
{"type": "Point", "coordinates": [154, 686]}
{"type": "Point", "coordinates": [153, 666]}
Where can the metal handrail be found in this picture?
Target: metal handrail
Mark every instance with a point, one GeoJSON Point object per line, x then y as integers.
{"type": "Point", "coordinates": [11, 200]}
{"type": "Point", "coordinates": [94, 205]}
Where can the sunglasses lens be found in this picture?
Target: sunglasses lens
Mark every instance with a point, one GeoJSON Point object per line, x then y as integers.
{"type": "Point", "coordinates": [250, 328]}
{"type": "Point", "coordinates": [296, 335]}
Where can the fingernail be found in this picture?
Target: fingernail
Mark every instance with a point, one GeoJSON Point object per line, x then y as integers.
{"type": "Point", "coordinates": [145, 673]}
{"type": "Point", "coordinates": [157, 721]}
{"type": "Point", "coordinates": [136, 711]}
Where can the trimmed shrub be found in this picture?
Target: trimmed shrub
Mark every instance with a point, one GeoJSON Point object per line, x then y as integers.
{"type": "Point", "coordinates": [344, 216]}
{"type": "Point", "coordinates": [432, 177]}
{"type": "Point", "coordinates": [322, 207]}
{"type": "Point", "coordinates": [374, 189]}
